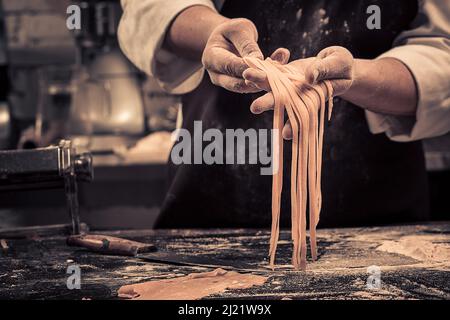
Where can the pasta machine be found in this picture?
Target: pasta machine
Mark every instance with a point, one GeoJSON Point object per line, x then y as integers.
{"type": "Point", "coordinates": [56, 166]}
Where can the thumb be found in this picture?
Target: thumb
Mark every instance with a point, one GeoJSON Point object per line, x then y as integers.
{"type": "Point", "coordinates": [316, 71]}
{"type": "Point", "coordinates": [243, 34]}
{"type": "Point", "coordinates": [247, 47]}
{"type": "Point", "coordinates": [331, 63]}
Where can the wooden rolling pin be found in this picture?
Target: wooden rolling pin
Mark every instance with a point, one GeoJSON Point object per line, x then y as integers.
{"type": "Point", "coordinates": [110, 245]}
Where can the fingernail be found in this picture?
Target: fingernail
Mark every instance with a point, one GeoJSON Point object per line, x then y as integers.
{"type": "Point", "coordinates": [250, 84]}
{"type": "Point", "coordinates": [255, 110]}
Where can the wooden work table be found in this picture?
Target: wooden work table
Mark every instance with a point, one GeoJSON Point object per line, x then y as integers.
{"type": "Point", "coordinates": [35, 268]}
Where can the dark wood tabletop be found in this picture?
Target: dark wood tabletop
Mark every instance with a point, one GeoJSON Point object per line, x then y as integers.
{"type": "Point", "coordinates": [35, 267]}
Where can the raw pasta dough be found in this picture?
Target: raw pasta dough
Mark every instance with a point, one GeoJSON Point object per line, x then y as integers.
{"type": "Point", "coordinates": [305, 106]}
{"type": "Point", "coordinates": [191, 287]}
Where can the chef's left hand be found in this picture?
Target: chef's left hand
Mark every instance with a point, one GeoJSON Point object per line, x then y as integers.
{"type": "Point", "coordinates": [333, 63]}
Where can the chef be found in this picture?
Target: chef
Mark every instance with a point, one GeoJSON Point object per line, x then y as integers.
{"type": "Point", "coordinates": [389, 64]}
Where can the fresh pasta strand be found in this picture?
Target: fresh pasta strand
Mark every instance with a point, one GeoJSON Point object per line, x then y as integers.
{"type": "Point", "coordinates": [305, 107]}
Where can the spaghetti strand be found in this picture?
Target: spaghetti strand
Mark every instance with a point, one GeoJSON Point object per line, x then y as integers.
{"type": "Point", "coordinates": [305, 107]}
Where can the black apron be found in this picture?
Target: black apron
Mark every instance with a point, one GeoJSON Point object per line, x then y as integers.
{"type": "Point", "coordinates": [367, 179]}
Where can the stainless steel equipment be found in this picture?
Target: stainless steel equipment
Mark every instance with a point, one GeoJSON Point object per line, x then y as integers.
{"type": "Point", "coordinates": [56, 166]}
{"type": "Point", "coordinates": [107, 98]}
{"type": "Point", "coordinates": [5, 125]}
{"type": "Point", "coordinates": [107, 103]}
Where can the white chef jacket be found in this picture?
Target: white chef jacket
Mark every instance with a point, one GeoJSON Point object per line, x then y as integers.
{"type": "Point", "coordinates": [425, 50]}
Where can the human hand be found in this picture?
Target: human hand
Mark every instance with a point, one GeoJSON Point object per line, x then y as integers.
{"type": "Point", "coordinates": [333, 63]}
{"type": "Point", "coordinates": [223, 56]}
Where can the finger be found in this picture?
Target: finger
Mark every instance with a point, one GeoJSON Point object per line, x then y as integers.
{"type": "Point", "coordinates": [287, 131]}
{"type": "Point", "coordinates": [243, 35]}
{"type": "Point", "coordinates": [257, 77]}
{"type": "Point", "coordinates": [281, 55]}
{"type": "Point", "coordinates": [331, 63]}
{"type": "Point", "coordinates": [262, 104]}
{"type": "Point", "coordinates": [222, 61]}
{"type": "Point", "coordinates": [232, 84]}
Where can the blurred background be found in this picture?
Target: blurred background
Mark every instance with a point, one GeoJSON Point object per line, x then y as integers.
{"type": "Point", "coordinates": [57, 83]}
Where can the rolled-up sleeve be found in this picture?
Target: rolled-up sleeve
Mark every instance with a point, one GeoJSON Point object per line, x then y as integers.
{"type": "Point", "coordinates": [425, 50]}
{"type": "Point", "coordinates": [141, 33]}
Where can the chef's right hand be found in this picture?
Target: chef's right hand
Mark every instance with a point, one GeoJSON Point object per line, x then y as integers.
{"type": "Point", "coordinates": [223, 55]}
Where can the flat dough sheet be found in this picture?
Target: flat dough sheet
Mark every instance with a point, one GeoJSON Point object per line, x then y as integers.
{"type": "Point", "coordinates": [191, 287]}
